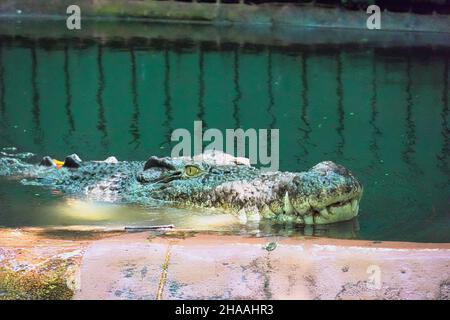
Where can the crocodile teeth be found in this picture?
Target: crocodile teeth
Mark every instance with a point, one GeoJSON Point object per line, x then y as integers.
{"type": "Point", "coordinates": [287, 207]}
{"type": "Point", "coordinates": [324, 213]}
{"type": "Point", "coordinates": [354, 204]}
{"type": "Point", "coordinates": [266, 212]}
{"type": "Point", "coordinates": [242, 216]}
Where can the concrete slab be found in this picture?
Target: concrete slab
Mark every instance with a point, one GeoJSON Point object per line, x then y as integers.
{"type": "Point", "coordinates": [189, 265]}
{"type": "Point", "coordinates": [136, 266]}
{"type": "Point", "coordinates": [124, 267]}
{"type": "Point", "coordinates": [243, 269]}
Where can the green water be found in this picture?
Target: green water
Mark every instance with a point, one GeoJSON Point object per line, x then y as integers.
{"type": "Point", "coordinates": [382, 112]}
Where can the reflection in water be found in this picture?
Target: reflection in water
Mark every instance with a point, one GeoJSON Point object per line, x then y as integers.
{"type": "Point", "coordinates": [340, 107]}
{"type": "Point", "coordinates": [306, 129]}
{"type": "Point", "coordinates": [68, 104]}
{"type": "Point", "coordinates": [36, 110]}
{"type": "Point", "coordinates": [385, 163]}
{"type": "Point", "coordinates": [271, 103]}
{"type": "Point", "coordinates": [237, 89]}
{"type": "Point", "coordinates": [3, 120]}
{"type": "Point", "coordinates": [91, 213]}
{"type": "Point", "coordinates": [376, 133]}
{"type": "Point", "coordinates": [134, 127]}
{"type": "Point", "coordinates": [167, 101]}
{"type": "Point", "coordinates": [410, 141]}
{"type": "Point", "coordinates": [2, 86]}
{"type": "Point", "coordinates": [270, 90]}
{"type": "Point", "coordinates": [445, 132]}
{"type": "Point", "coordinates": [342, 230]}
{"type": "Point", "coordinates": [101, 123]}
{"type": "Point", "coordinates": [201, 86]}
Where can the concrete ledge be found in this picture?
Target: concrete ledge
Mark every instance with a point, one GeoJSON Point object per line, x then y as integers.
{"type": "Point", "coordinates": [182, 264]}
{"type": "Point", "coordinates": [128, 33]}
{"type": "Point", "coordinates": [134, 266]}
{"type": "Point", "coordinates": [217, 13]}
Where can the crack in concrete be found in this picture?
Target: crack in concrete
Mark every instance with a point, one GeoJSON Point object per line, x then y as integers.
{"type": "Point", "coordinates": [163, 278]}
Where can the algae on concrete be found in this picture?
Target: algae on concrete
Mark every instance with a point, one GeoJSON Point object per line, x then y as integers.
{"type": "Point", "coordinates": [47, 282]}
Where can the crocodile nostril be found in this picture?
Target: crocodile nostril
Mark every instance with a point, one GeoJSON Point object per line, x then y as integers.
{"type": "Point", "coordinates": [214, 171]}
{"type": "Point", "coordinates": [155, 162]}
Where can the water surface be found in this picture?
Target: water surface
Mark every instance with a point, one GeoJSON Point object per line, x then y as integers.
{"type": "Point", "coordinates": [382, 112]}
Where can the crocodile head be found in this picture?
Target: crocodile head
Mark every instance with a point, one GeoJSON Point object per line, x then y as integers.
{"type": "Point", "coordinates": [326, 193]}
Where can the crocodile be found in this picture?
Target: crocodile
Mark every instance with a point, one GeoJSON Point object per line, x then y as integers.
{"type": "Point", "coordinates": [326, 193]}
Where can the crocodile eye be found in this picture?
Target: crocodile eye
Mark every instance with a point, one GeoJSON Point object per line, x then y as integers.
{"type": "Point", "coordinates": [191, 171]}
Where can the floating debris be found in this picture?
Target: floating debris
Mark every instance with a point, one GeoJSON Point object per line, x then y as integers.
{"type": "Point", "coordinates": [10, 152]}
{"type": "Point", "coordinates": [144, 228]}
{"type": "Point", "coordinates": [271, 246]}
{"type": "Point", "coordinates": [23, 155]}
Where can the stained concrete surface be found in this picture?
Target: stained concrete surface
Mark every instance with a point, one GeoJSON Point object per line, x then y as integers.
{"type": "Point", "coordinates": [136, 266]}
{"type": "Point", "coordinates": [192, 265]}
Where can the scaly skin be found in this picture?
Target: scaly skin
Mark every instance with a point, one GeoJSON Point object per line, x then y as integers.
{"type": "Point", "coordinates": [326, 193]}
